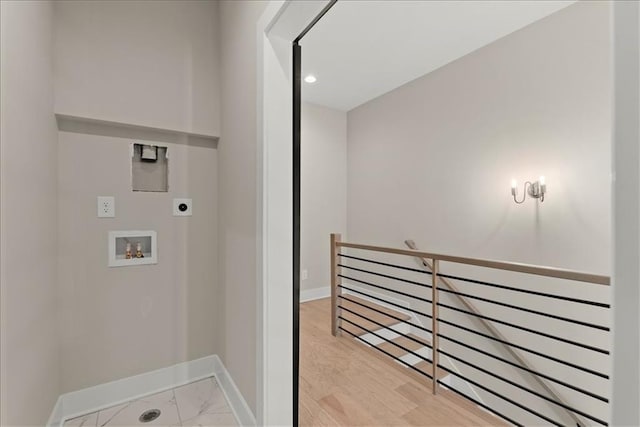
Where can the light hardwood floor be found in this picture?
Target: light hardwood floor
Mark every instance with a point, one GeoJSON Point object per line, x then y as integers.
{"type": "Point", "coordinates": [344, 383]}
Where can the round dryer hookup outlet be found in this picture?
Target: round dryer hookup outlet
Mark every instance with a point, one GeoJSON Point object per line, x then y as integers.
{"type": "Point", "coordinates": [182, 207]}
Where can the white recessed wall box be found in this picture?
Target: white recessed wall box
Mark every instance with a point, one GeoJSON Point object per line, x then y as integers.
{"type": "Point", "coordinates": [132, 247]}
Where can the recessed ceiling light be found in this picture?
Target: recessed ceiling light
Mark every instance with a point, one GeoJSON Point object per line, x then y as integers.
{"type": "Point", "coordinates": [310, 78]}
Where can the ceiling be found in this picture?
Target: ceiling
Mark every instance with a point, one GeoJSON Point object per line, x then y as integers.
{"type": "Point", "coordinates": [362, 49]}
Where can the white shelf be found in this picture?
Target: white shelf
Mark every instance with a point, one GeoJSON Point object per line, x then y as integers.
{"type": "Point", "coordinates": [93, 126]}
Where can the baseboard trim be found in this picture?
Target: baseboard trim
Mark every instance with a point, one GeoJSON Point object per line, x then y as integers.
{"type": "Point", "coordinates": [314, 294]}
{"type": "Point", "coordinates": [239, 406]}
{"type": "Point", "coordinates": [92, 399]}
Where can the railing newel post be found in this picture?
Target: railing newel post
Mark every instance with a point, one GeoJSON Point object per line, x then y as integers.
{"type": "Point", "coordinates": [434, 323]}
{"type": "Point", "coordinates": [335, 281]}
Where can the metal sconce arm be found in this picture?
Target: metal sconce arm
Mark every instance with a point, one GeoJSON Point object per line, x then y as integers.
{"type": "Point", "coordinates": [535, 190]}
{"type": "Point", "coordinates": [524, 195]}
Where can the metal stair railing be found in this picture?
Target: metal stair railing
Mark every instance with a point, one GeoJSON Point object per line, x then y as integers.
{"type": "Point", "coordinates": [342, 267]}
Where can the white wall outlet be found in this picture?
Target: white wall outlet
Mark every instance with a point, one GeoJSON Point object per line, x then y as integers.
{"type": "Point", "coordinates": [182, 207]}
{"type": "Point", "coordinates": [304, 275]}
{"type": "Point", "coordinates": [106, 207]}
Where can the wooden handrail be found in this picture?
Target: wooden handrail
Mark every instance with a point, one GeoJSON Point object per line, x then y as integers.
{"type": "Point", "coordinates": [500, 265]}
{"type": "Point", "coordinates": [492, 330]}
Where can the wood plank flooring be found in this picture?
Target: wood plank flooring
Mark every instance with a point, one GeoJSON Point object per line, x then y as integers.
{"type": "Point", "coordinates": [344, 383]}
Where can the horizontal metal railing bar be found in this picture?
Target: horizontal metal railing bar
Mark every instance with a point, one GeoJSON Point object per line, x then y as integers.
{"type": "Point", "coordinates": [526, 310]}
{"type": "Point", "coordinates": [500, 265]}
{"type": "Point", "coordinates": [524, 368]}
{"type": "Point", "coordinates": [386, 289]}
{"type": "Point", "coordinates": [527, 291]}
{"type": "Point", "coordinates": [387, 339]}
{"type": "Point", "coordinates": [385, 301]}
{"type": "Point", "coordinates": [411, 282]}
{"type": "Point", "coordinates": [383, 326]}
{"type": "Point", "coordinates": [521, 387]}
{"type": "Point", "coordinates": [415, 270]}
{"type": "Point", "coordinates": [505, 398]}
{"type": "Point", "coordinates": [407, 364]}
{"type": "Point", "coordinates": [528, 350]}
{"type": "Point", "coordinates": [389, 315]}
{"type": "Point", "coordinates": [523, 328]}
{"type": "Point", "coordinates": [482, 405]}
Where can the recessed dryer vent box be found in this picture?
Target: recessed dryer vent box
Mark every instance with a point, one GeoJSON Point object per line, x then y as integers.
{"type": "Point", "coordinates": [123, 248]}
{"type": "Point", "coordinates": [149, 168]}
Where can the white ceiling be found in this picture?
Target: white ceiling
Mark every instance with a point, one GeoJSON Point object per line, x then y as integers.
{"type": "Point", "coordinates": [362, 49]}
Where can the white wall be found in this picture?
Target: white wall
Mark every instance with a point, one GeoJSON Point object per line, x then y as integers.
{"type": "Point", "coordinates": [323, 189]}
{"type": "Point", "coordinates": [29, 347]}
{"type": "Point", "coordinates": [237, 180]}
{"type": "Point", "coordinates": [432, 161]}
{"type": "Point", "coordinates": [149, 63]}
{"type": "Point", "coordinates": [131, 320]}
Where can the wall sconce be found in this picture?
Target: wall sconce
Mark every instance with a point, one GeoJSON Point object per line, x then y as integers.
{"type": "Point", "coordinates": [533, 189]}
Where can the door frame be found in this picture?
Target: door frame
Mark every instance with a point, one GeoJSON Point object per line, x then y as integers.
{"type": "Point", "coordinates": [277, 285]}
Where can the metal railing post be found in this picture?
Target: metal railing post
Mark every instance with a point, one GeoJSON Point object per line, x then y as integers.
{"type": "Point", "coordinates": [434, 323]}
{"type": "Point", "coordinates": [335, 281]}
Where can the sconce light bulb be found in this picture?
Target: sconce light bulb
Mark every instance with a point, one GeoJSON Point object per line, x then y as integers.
{"type": "Point", "coordinates": [542, 180]}
{"type": "Point", "coordinates": [514, 185]}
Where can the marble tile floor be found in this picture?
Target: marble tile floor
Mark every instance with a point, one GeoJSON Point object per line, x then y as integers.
{"type": "Point", "coordinates": [201, 403]}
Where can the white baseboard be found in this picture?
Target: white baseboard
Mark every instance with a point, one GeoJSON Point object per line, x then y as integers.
{"type": "Point", "coordinates": [239, 406]}
{"type": "Point", "coordinates": [314, 294]}
{"type": "Point", "coordinates": [92, 399]}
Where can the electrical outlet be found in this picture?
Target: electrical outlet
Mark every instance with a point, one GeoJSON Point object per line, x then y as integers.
{"type": "Point", "coordinates": [305, 274]}
{"type": "Point", "coordinates": [106, 207]}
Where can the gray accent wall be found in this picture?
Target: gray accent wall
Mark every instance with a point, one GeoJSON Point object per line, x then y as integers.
{"type": "Point", "coordinates": [135, 319]}
{"type": "Point", "coordinates": [133, 71]}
